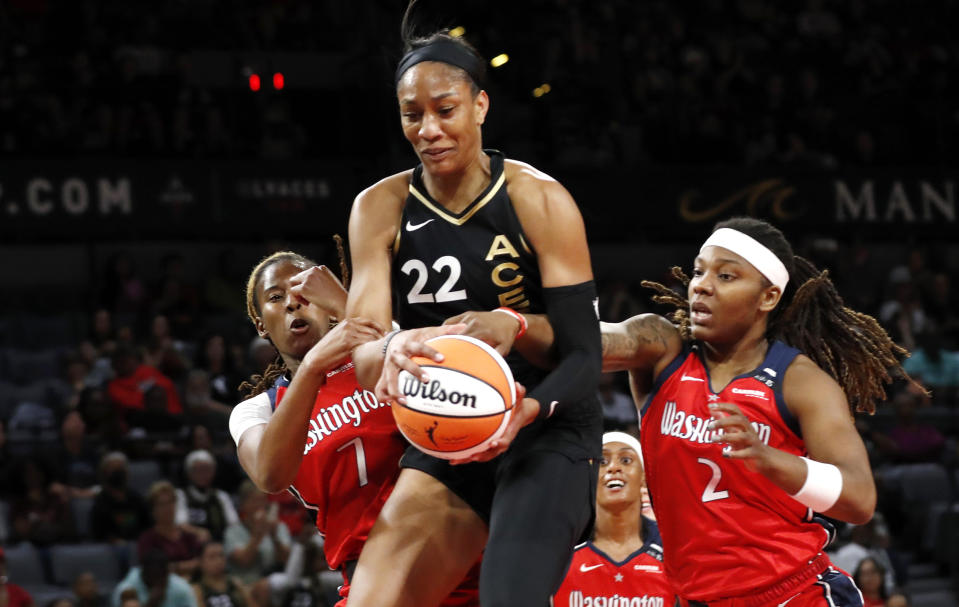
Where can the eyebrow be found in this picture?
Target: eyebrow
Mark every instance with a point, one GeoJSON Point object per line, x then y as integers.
{"type": "Point", "coordinates": [411, 100]}
{"type": "Point", "coordinates": [720, 260]}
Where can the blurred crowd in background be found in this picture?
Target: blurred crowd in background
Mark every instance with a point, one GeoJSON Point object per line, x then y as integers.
{"type": "Point", "coordinates": [115, 459]}
{"type": "Point", "coordinates": [815, 83]}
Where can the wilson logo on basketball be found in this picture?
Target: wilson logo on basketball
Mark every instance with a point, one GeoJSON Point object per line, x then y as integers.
{"type": "Point", "coordinates": [435, 392]}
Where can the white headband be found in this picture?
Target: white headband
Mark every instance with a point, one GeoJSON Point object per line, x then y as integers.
{"type": "Point", "coordinates": [627, 439]}
{"type": "Point", "coordinates": [750, 249]}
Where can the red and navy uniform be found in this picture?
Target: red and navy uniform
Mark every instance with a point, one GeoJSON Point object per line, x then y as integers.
{"type": "Point", "coordinates": [349, 461]}
{"type": "Point", "coordinates": [349, 468]}
{"type": "Point", "coordinates": [594, 578]}
{"type": "Point", "coordinates": [728, 531]}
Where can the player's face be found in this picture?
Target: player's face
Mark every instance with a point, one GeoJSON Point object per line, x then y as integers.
{"type": "Point", "coordinates": [441, 117]}
{"type": "Point", "coordinates": [727, 296]}
{"type": "Point", "coordinates": [620, 476]}
{"type": "Point", "coordinates": [293, 327]}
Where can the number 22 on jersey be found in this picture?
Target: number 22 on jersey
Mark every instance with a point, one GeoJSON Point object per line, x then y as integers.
{"type": "Point", "coordinates": [446, 291]}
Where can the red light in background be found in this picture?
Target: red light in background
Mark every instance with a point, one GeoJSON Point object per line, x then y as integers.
{"type": "Point", "coordinates": [254, 82]}
{"type": "Point", "coordinates": [278, 81]}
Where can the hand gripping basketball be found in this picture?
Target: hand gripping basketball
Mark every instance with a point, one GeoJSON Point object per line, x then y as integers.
{"type": "Point", "coordinates": [465, 406]}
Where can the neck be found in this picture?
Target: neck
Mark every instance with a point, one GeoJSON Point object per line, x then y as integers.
{"type": "Point", "coordinates": [292, 364]}
{"type": "Point", "coordinates": [741, 355]}
{"type": "Point", "coordinates": [456, 190]}
{"type": "Point", "coordinates": [619, 530]}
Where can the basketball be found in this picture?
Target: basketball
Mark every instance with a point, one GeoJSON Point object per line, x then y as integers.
{"type": "Point", "coordinates": [465, 405]}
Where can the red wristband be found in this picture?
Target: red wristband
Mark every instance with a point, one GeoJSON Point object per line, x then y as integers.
{"type": "Point", "coordinates": [522, 319]}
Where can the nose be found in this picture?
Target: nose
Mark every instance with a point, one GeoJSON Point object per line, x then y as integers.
{"type": "Point", "coordinates": [292, 303]}
{"type": "Point", "coordinates": [430, 127]}
{"type": "Point", "coordinates": [701, 285]}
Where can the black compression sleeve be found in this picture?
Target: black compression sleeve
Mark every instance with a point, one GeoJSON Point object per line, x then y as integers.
{"type": "Point", "coordinates": [573, 316]}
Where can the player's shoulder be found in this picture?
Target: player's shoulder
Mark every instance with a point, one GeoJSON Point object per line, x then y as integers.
{"type": "Point", "coordinates": [803, 373]}
{"type": "Point", "coordinates": [527, 184]}
{"type": "Point", "coordinates": [807, 385]}
{"type": "Point", "coordinates": [390, 190]}
{"type": "Point", "coordinates": [267, 397]}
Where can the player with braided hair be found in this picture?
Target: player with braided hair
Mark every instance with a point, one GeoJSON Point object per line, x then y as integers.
{"type": "Point", "coordinates": [307, 426]}
{"type": "Point", "coordinates": [747, 429]}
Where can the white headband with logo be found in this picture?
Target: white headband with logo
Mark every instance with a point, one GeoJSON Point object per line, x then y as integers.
{"type": "Point", "coordinates": [627, 439]}
{"type": "Point", "coordinates": [750, 249]}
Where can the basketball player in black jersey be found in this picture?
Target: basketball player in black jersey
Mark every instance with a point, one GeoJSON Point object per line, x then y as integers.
{"type": "Point", "coordinates": [463, 234]}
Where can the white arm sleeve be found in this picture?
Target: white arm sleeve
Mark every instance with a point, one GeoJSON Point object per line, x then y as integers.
{"type": "Point", "coordinates": [251, 412]}
{"type": "Point", "coordinates": [182, 515]}
{"type": "Point", "coordinates": [229, 511]}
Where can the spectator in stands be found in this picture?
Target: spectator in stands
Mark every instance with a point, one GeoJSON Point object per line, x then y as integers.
{"type": "Point", "coordinates": [302, 580]}
{"type": "Point", "coordinates": [229, 474]}
{"type": "Point", "coordinates": [74, 460]}
{"type": "Point", "coordinates": [62, 601]}
{"type": "Point", "coordinates": [869, 576]}
{"type": "Point", "coordinates": [126, 390]}
{"type": "Point", "coordinates": [178, 542]}
{"type": "Point", "coordinates": [199, 503]}
{"type": "Point", "coordinates": [935, 367]}
{"type": "Point", "coordinates": [40, 513]}
{"type": "Point", "coordinates": [214, 358]}
{"type": "Point", "coordinates": [101, 370]}
{"type": "Point", "coordinates": [200, 403]}
{"type": "Point", "coordinates": [11, 595]}
{"type": "Point", "coordinates": [902, 315]}
{"type": "Point", "coordinates": [102, 335]}
{"type": "Point", "coordinates": [76, 371]}
{"type": "Point", "coordinates": [260, 542]}
{"type": "Point", "coordinates": [866, 541]}
{"type": "Point", "coordinates": [6, 464]}
{"type": "Point", "coordinates": [175, 296]}
{"type": "Point", "coordinates": [102, 421]}
{"type": "Point", "coordinates": [214, 587]}
{"type": "Point", "coordinates": [123, 291]}
{"type": "Point", "coordinates": [86, 592]}
{"type": "Point", "coordinates": [910, 441]}
{"type": "Point", "coordinates": [119, 515]}
{"type": "Point", "coordinates": [163, 352]}
{"type": "Point", "coordinates": [152, 584]}
{"type": "Point", "coordinates": [898, 599]}
{"type": "Point", "coordinates": [619, 411]}
{"type": "Point", "coordinates": [943, 310]}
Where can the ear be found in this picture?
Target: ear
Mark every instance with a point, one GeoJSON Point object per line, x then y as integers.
{"type": "Point", "coordinates": [260, 328]}
{"type": "Point", "coordinates": [769, 298]}
{"type": "Point", "coordinates": [481, 107]}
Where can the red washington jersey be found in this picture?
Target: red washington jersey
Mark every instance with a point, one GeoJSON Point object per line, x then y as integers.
{"type": "Point", "coordinates": [349, 462]}
{"type": "Point", "coordinates": [350, 465]}
{"type": "Point", "coordinates": [727, 531]}
{"type": "Point", "coordinates": [595, 579]}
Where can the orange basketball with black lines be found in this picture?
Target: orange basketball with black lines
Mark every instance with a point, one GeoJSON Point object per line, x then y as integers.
{"type": "Point", "coordinates": [466, 403]}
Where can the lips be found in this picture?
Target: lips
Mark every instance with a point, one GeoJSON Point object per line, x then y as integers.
{"type": "Point", "coordinates": [700, 312]}
{"type": "Point", "coordinates": [615, 484]}
{"type": "Point", "coordinates": [437, 153]}
{"type": "Point", "coordinates": [299, 326]}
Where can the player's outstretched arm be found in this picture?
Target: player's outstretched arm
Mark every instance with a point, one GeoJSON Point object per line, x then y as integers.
{"type": "Point", "coordinates": [639, 343]}
{"type": "Point", "coordinates": [374, 223]}
{"type": "Point", "coordinates": [531, 336]}
{"type": "Point", "coordinates": [835, 478]}
{"type": "Point", "coordinates": [554, 226]}
{"type": "Point", "coordinates": [270, 443]}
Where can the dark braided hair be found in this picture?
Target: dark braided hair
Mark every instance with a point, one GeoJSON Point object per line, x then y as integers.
{"type": "Point", "coordinates": [259, 383]}
{"type": "Point", "coordinates": [849, 345]}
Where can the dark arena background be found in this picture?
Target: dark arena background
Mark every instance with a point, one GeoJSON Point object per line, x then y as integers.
{"type": "Point", "coordinates": [152, 152]}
